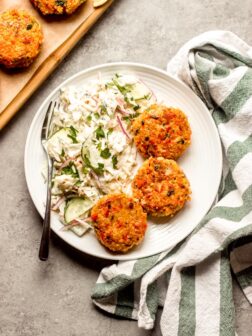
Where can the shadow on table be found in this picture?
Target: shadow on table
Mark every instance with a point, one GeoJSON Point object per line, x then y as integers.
{"type": "Point", "coordinates": [78, 256]}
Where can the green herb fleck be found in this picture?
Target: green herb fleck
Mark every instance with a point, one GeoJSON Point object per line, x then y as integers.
{"type": "Point", "coordinates": [62, 152]}
{"type": "Point", "coordinates": [114, 161]}
{"type": "Point", "coordinates": [137, 107]}
{"type": "Point", "coordinates": [70, 170]}
{"type": "Point", "coordinates": [105, 153]}
{"type": "Point", "coordinates": [73, 134]}
{"type": "Point", "coordinates": [97, 115]}
{"type": "Point", "coordinates": [99, 133]}
{"type": "Point", "coordinates": [98, 146]}
{"type": "Point", "coordinates": [110, 131]}
{"type": "Point", "coordinates": [60, 2]}
{"type": "Point", "coordinates": [123, 89]}
{"type": "Point", "coordinates": [131, 116]}
{"type": "Point", "coordinates": [29, 26]}
{"type": "Point", "coordinates": [84, 170]}
{"type": "Point", "coordinates": [103, 108]}
{"type": "Point", "coordinates": [89, 118]}
{"type": "Point", "coordinates": [147, 96]}
{"type": "Point", "coordinates": [98, 170]}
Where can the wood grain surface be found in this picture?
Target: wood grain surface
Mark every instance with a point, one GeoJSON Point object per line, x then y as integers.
{"type": "Point", "coordinates": [49, 64]}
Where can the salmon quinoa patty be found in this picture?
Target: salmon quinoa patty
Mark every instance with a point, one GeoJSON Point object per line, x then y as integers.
{"type": "Point", "coordinates": [20, 38]}
{"type": "Point", "coordinates": [119, 222]}
{"type": "Point", "coordinates": [161, 186]}
{"type": "Point", "coordinates": [49, 7]}
{"type": "Point", "coordinates": [162, 131]}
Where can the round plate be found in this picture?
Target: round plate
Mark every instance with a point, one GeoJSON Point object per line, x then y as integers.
{"type": "Point", "coordinates": [202, 163]}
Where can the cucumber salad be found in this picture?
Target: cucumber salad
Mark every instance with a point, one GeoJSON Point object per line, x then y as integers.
{"type": "Point", "coordinates": [91, 145]}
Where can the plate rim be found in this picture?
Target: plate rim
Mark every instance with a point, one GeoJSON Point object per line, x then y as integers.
{"type": "Point", "coordinates": [219, 154]}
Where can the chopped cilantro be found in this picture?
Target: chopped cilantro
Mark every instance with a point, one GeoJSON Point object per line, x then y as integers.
{"type": "Point", "coordinates": [114, 161]}
{"type": "Point", "coordinates": [98, 146]}
{"type": "Point", "coordinates": [78, 183]}
{"type": "Point", "coordinates": [84, 170]}
{"type": "Point", "coordinates": [62, 152]}
{"type": "Point", "coordinates": [110, 131]}
{"type": "Point", "coordinates": [147, 96]}
{"type": "Point", "coordinates": [105, 153]}
{"type": "Point", "coordinates": [89, 118]}
{"type": "Point", "coordinates": [98, 170]}
{"type": "Point", "coordinates": [97, 115]}
{"type": "Point", "coordinates": [60, 2]}
{"type": "Point", "coordinates": [70, 170]}
{"type": "Point", "coordinates": [73, 134]}
{"type": "Point", "coordinates": [123, 89]}
{"type": "Point", "coordinates": [99, 133]}
{"type": "Point", "coordinates": [137, 107]}
{"type": "Point", "coordinates": [87, 161]}
{"type": "Point", "coordinates": [127, 100]}
{"type": "Point", "coordinates": [29, 26]}
{"type": "Point", "coordinates": [131, 116]}
{"type": "Point", "coordinates": [103, 108]}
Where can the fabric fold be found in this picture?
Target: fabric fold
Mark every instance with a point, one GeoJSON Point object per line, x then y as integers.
{"type": "Point", "coordinates": [197, 291]}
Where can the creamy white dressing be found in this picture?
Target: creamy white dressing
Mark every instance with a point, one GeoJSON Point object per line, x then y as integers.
{"type": "Point", "coordinates": [92, 151]}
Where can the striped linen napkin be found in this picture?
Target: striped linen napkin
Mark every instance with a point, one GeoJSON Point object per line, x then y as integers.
{"type": "Point", "coordinates": [193, 281]}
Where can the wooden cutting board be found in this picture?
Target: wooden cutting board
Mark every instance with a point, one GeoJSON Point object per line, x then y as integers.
{"type": "Point", "coordinates": [60, 36]}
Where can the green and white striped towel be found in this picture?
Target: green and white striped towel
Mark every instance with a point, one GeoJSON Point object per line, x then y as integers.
{"type": "Point", "coordinates": [193, 281]}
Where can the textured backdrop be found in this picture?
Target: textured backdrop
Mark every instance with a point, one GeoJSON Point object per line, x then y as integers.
{"type": "Point", "coordinates": [53, 298]}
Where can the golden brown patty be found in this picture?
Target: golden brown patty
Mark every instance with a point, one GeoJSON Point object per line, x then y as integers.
{"type": "Point", "coordinates": [20, 38]}
{"type": "Point", "coordinates": [161, 187]}
{"type": "Point", "coordinates": [162, 131]}
{"type": "Point", "coordinates": [48, 7]}
{"type": "Point", "coordinates": [119, 222]}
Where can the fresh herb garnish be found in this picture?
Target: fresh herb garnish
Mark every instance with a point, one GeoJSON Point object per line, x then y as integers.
{"type": "Point", "coordinates": [60, 2]}
{"type": "Point", "coordinates": [131, 116]}
{"type": "Point", "coordinates": [97, 115]}
{"type": "Point", "coordinates": [87, 161]}
{"type": "Point", "coordinates": [99, 133]}
{"type": "Point", "coordinates": [123, 89]}
{"type": "Point", "coordinates": [78, 183]}
{"type": "Point", "coordinates": [70, 170]}
{"type": "Point", "coordinates": [114, 161]}
{"type": "Point", "coordinates": [29, 26]}
{"type": "Point", "coordinates": [103, 108]}
{"type": "Point", "coordinates": [110, 131]}
{"type": "Point", "coordinates": [98, 170]}
{"type": "Point", "coordinates": [105, 153]}
{"type": "Point", "coordinates": [98, 146]}
{"type": "Point", "coordinates": [62, 152]}
{"type": "Point", "coordinates": [89, 118]}
{"type": "Point", "coordinates": [137, 107]}
{"type": "Point", "coordinates": [147, 96]}
{"type": "Point", "coordinates": [73, 134]}
{"type": "Point", "coordinates": [84, 170]}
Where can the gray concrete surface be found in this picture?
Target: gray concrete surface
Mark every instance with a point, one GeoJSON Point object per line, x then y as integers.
{"type": "Point", "coordinates": [53, 298]}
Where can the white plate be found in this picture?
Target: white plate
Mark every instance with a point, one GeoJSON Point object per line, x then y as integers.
{"type": "Point", "coordinates": [202, 163]}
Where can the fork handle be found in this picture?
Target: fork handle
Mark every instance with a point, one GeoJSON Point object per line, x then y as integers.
{"type": "Point", "coordinates": [44, 243]}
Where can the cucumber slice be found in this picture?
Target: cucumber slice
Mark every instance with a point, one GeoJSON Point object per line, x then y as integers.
{"type": "Point", "coordinates": [56, 141]}
{"type": "Point", "coordinates": [90, 151]}
{"type": "Point", "coordinates": [139, 91]}
{"type": "Point", "coordinates": [74, 209]}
